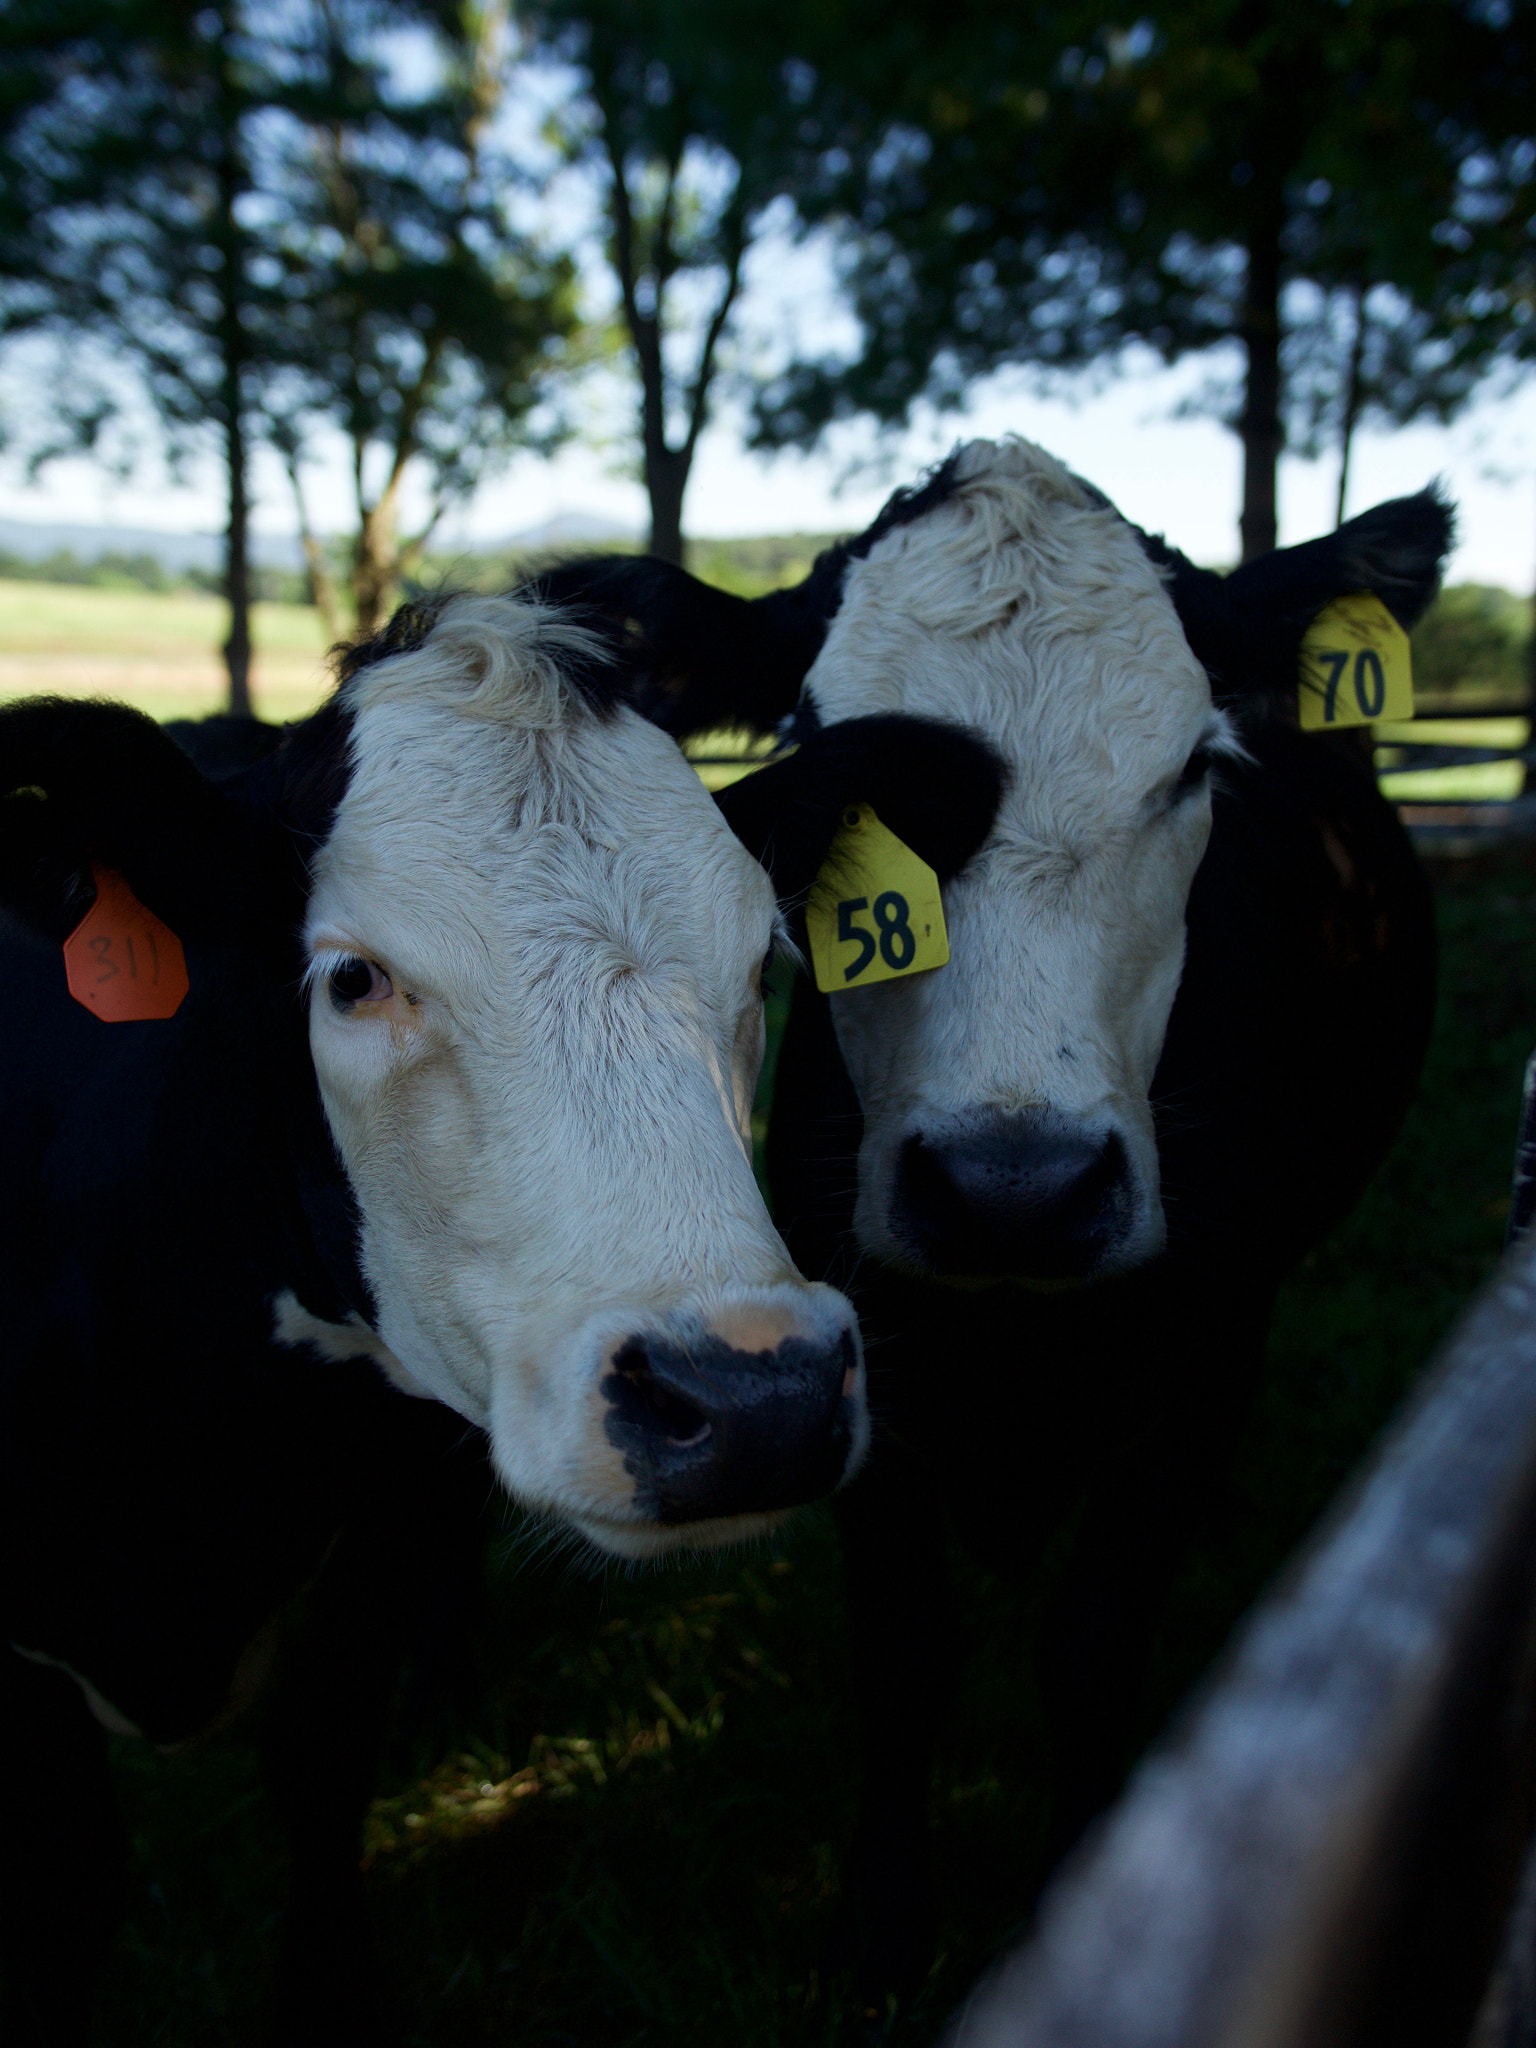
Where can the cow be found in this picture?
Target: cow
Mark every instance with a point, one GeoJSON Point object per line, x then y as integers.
{"type": "Point", "coordinates": [390, 1093]}
{"type": "Point", "coordinates": [1189, 990]}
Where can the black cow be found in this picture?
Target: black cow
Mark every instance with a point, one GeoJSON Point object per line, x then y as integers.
{"type": "Point", "coordinates": [1189, 991]}
{"type": "Point", "coordinates": [390, 1092]}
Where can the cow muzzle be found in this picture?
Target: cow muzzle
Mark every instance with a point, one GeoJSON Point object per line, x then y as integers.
{"type": "Point", "coordinates": [1025, 1196]}
{"type": "Point", "coordinates": [756, 1410]}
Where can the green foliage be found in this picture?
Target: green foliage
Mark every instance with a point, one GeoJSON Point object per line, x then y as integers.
{"type": "Point", "coordinates": [279, 217]}
{"type": "Point", "coordinates": [418, 317]}
{"type": "Point", "coordinates": [751, 568]}
{"type": "Point", "coordinates": [1043, 189]}
{"type": "Point", "coordinates": [748, 567]}
{"type": "Point", "coordinates": [1474, 644]}
{"type": "Point", "coordinates": [109, 571]}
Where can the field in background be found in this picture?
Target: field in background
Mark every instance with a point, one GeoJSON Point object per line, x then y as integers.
{"type": "Point", "coordinates": [160, 652]}
{"type": "Point", "coordinates": [159, 648]}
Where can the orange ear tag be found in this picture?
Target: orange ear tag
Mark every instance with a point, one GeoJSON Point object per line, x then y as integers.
{"type": "Point", "coordinates": [121, 961]}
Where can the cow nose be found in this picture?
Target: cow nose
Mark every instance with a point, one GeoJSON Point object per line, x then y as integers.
{"type": "Point", "coordinates": [709, 1428]}
{"type": "Point", "coordinates": [1023, 1196]}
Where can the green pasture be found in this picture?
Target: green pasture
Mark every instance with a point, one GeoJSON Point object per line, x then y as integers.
{"type": "Point", "coordinates": [159, 651]}
{"type": "Point", "coordinates": [629, 1833]}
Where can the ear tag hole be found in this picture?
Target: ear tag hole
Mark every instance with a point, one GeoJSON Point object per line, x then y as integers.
{"type": "Point", "coordinates": [120, 960]}
{"type": "Point", "coordinates": [1356, 668]}
{"type": "Point", "coordinates": [874, 912]}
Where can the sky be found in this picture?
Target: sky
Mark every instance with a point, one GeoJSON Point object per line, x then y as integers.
{"type": "Point", "coordinates": [1180, 476]}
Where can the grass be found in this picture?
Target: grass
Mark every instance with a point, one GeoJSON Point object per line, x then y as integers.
{"type": "Point", "coordinates": [1473, 782]}
{"type": "Point", "coordinates": [160, 652]}
{"type": "Point", "coordinates": [1454, 732]}
{"type": "Point", "coordinates": [631, 1835]}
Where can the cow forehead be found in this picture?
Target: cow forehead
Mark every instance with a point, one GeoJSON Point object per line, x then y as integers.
{"type": "Point", "coordinates": [1026, 610]}
{"type": "Point", "coordinates": [466, 851]}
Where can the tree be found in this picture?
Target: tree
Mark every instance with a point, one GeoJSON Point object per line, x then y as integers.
{"type": "Point", "coordinates": [1047, 195]}
{"type": "Point", "coordinates": [131, 164]}
{"type": "Point", "coordinates": [687, 122]}
{"type": "Point", "coordinates": [247, 206]}
{"type": "Point", "coordinates": [419, 319]}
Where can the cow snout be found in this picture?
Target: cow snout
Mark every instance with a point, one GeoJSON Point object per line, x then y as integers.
{"type": "Point", "coordinates": [712, 1426]}
{"type": "Point", "coordinates": [1023, 1196]}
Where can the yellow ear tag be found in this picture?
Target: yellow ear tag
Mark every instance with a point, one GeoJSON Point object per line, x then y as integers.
{"type": "Point", "coordinates": [1355, 666]}
{"type": "Point", "coordinates": [873, 913]}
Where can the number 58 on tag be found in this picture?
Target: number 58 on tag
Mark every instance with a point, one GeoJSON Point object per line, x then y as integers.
{"type": "Point", "coordinates": [874, 912]}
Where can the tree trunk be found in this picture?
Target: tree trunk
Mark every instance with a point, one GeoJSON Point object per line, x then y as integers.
{"type": "Point", "coordinates": [233, 352]}
{"type": "Point", "coordinates": [1259, 329]}
{"type": "Point", "coordinates": [322, 584]}
{"type": "Point", "coordinates": [666, 480]}
{"type": "Point", "coordinates": [375, 560]}
{"type": "Point", "coordinates": [237, 579]}
{"type": "Point", "coordinates": [1351, 411]}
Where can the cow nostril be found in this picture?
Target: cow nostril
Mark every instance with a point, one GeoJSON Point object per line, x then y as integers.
{"type": "Point", "coordinates": [1019, 1195]}
{"type": "Point", "coordinates": [678, 1418]}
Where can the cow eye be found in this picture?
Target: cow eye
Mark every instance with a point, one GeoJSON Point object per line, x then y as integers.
{"type": "Point", "coordinates": [1194, 771]}
{"type": "Point", "coordinates": [356, 980]}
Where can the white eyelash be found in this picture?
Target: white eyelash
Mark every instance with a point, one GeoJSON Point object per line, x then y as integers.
{"type": "Point", "coordinates": [783, 946]}
{"type": "Point", "coordinates": [323, 964]}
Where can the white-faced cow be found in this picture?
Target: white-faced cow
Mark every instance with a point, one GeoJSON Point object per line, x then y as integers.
{"type": "Point", "coordinates": [455, 1105]}
{"type": "Point", "coordinates": [1189, 989]}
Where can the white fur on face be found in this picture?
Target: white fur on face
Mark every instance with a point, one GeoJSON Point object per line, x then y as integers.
{"type": "Point", "coordinates": [1024, 611]}
{"type": "Point", "coordinates": [543, 1100]}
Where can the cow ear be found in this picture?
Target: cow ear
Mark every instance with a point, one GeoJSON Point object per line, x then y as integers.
{"type": "Point", "coordinates": [84, 783]}
{"type": "Point", "coordinates": [1250, 638]}
{"type": "Point", "coordinates": [1394, 551]}
{"type": "Point", "coordinates": [700, 658]}
{"type": "Point", "coordinates": [936, 786]}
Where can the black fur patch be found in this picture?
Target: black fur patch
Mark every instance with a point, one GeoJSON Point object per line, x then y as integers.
{"type": "Point", "coordinates": [1395, 551]}
{"type": "Point", "coordinates": [222, 744]}
{"type": "Point", "coordinates": [690, 657]}
{"type": "Point", "coordinates": [303, 780]}
{"type": "Point", "coordinates": [1246, 628]}
{"type": "Point", "coordinates": [699, 658]}
{"type": "Point", "coordinates": [406, 631]}
{"type": "Point", "coordinates": [84, 781]}
{"type": "Point", "coordinates": [934, 785]}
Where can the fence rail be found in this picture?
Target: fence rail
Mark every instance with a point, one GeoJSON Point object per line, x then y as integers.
{"type": "Point", "coordinates": [1328, 1851]}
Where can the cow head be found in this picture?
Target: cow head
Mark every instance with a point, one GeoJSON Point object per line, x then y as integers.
{"type": "Point", "coordinates": [1007, 1120]}
{"type": "Point", "coordinates": [531, 954]}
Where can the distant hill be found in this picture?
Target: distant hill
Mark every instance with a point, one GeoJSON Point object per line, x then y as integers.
{"type": "Point", "coordinates": [562, 530]}
{"type": "Point", "coordinates": [34, 539]}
